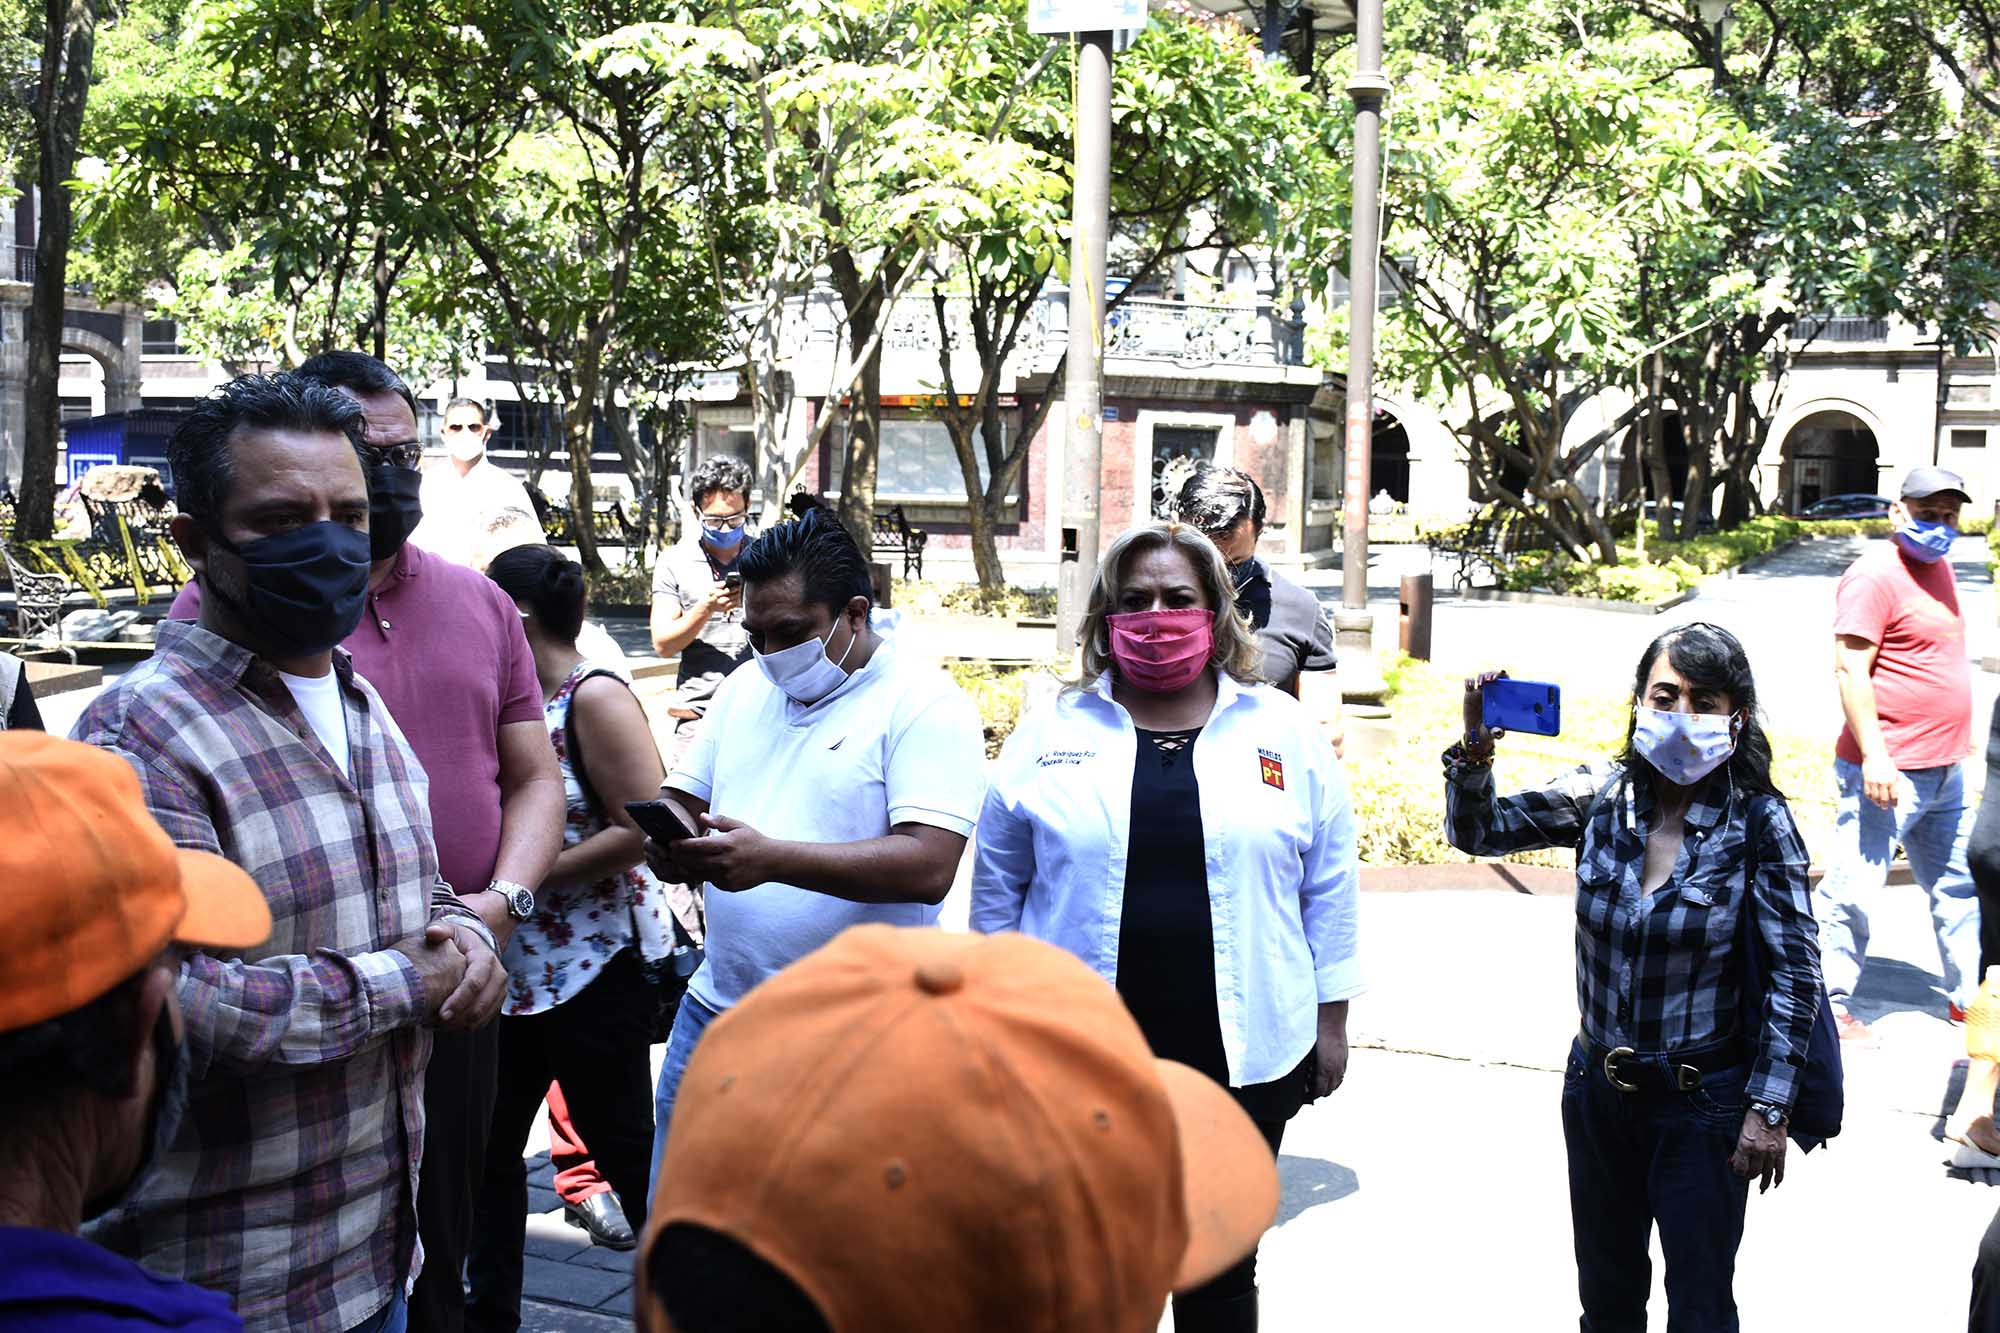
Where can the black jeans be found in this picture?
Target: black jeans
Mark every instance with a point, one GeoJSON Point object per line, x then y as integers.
{"type": "Point", "coordinates": [458, 1108]}
{"type": "Point", "coordinates": [1982, 856]}
{"type": "Point", "coordinates": [1227, 1304]}
{"type": "Point", "coordinates": [1985, 1316]}
{"type": "Point", "coordinates": [595, 1044]}
{"type": "Point", "coordinates": [1647, 1158]}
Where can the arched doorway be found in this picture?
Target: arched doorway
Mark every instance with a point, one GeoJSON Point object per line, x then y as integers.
{"type": "Point", "coordinates": [1389, 458]}
{"type": "Point", "coordinates": [1831, 452]}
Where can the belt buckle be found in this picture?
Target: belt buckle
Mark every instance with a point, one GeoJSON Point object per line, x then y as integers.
{"type": "Point", "coordinates": [1611, 1059]}
{"type": "Point", "coordinates": [1687, 1078]}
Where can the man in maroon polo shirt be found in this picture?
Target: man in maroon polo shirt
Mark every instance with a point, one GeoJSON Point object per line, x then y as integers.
{"type": "Point", "coordinates": [443, 647]}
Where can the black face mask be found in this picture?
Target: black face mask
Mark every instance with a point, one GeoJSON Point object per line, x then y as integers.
{"type": "Point", "coordinates": [303, 589]}
{"type": "Point", "coordinates": [393, 507]}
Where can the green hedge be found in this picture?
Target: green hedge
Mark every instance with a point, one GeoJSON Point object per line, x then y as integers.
{"type": "Point", "coordinates": [1673, 567]}
{"type": "Point", "coordinates": [1670, 567]}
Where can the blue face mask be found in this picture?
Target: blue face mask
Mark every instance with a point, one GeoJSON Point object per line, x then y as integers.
{"type": "Point", "coordinates": [1925, 541]}
{"type": "Point", "coordinates": [724, 539]}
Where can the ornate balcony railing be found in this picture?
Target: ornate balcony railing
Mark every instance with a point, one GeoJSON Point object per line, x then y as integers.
{"type": "Point", "coordinates": [1841, 329]}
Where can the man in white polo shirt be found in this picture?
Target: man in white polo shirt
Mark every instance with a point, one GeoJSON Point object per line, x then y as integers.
{"type": "Point", "coordinates": [836, 785]}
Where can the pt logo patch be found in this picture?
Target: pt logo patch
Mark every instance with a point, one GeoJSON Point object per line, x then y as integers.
{"type": "Point", "coordinates": [1271, 766]}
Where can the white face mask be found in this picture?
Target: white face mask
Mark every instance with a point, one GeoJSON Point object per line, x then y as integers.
{"type": "Point", "coordinates": [1684, 747]}
{"type": "Point", "coordinates": [803, 671]}
{"type": "Point", "coordinates": [465, 445]}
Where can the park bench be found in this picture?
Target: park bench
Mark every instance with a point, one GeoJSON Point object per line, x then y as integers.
{"type": "Point", "coordinates": [1481, 542]}
{"type": "Point", "coordinates": [895, 536]}
{"type": "Point", "coordinates": [609, 523]}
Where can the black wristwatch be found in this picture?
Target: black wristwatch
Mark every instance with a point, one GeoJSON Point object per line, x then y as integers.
{"type": "Point", "coordinates": [1774, 1117]}
{"type": "Point", "coordinates": [520, 898]}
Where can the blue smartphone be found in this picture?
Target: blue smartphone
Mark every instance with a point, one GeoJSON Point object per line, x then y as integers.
{"type": "Point", "coordinates": [1521, 705]}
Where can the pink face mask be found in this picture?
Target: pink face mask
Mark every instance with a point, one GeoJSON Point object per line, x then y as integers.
{"type": "Point", "coordinates": [1162, 651]}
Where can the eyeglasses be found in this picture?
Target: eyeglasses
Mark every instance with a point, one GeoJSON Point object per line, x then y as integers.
{"type": "Point", "coordinates": [454, 427]}
{"type": "Point", "coordinates": [407, 454]}
{"type": "Point", "coordinates": [724, 522]}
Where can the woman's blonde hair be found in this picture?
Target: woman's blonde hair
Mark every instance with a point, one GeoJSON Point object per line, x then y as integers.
{"type": "Point", "coordinates": [1235, 651]}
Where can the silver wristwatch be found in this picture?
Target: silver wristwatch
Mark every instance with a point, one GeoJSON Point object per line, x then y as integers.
{"type": "Point", "coordinates": [1772, 1116]}
{"type": "Point", "coordinates": [520, 898]}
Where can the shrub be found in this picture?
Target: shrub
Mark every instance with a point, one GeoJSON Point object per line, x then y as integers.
{"type": "Point", "coordinates": [999, 693]}
{"type": "Point", "coordinates": [628, 585]}
{"type": "Point", "coordinates": [969, 599]}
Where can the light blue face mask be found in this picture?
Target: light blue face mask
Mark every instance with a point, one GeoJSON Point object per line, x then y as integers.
{"type": "Point", "coordinates": [1926, 541]}
{"type": "Point", "coordinates": [724, 539]}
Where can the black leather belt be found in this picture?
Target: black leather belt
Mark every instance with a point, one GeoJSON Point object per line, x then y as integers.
{"type": "Point", "coordinates": [1634, 1071]}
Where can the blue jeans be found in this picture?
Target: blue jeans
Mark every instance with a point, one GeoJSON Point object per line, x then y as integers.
{"type": "Point", "coordinates": [692, 1020]}
{"type": "Point", "coordinates": [1933, 823]}
{"type": "Point", "coordinates": [1649, 1158]}
{"type": "Point", "coordinates": [391, 1318]}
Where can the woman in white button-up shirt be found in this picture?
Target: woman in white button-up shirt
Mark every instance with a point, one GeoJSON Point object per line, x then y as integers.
{"type": "Point", "coordinates": [1186, 831]}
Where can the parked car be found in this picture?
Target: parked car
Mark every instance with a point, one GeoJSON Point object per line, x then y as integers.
{"type": "Point", "coordinates": [1670, 514]}
{"type": "Point", "coordinates": [1848, 506]}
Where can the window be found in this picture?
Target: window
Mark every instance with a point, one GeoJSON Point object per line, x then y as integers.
{"type": "Point", "coordinates": [1176, 451]}
{"type": "Point", "coordinates": [737, 438]}
{"type": "Point", "coordinates": [75, 409]}
{"type": "Point", "coordinates": [1325, 466]}
{"type": "Point", "coordinates": [918, 461]}
{"type": "Point", "coordinates": [1971, 391]}
{"type": "Point", "coordinates": [1968, 439]}
{"type": "Point", "coordinates": [160, 337]}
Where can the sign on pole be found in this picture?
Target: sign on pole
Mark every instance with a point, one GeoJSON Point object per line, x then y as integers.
{"type": "Point", "coordinates": [1058, 16]}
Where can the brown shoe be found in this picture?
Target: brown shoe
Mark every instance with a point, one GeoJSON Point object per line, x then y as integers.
{"type": "Point", "coordinates": [1851, 1028]}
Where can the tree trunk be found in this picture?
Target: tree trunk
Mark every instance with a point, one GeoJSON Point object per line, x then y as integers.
{"type": "Point", "coordinates": [68, 42]}
{"type": "Point", "coordinates": [864, 450]}
{"type": "Point", "coordinates": [577, 439]}
{"type": "Point", "coordinates": [1700, 472]}
{"type": "Point", "coordinates": [864, 302]}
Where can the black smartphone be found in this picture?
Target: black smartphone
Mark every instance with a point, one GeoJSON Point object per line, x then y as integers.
{"type": "Point", "coordinates": [1521, 705]}
{"type": "Point", "coordinates": [662, 820]}
{"type": "Point", "coordinates": [733, 581]}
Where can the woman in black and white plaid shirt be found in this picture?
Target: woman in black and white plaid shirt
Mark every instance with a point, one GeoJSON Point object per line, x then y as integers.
{"type": "Point", "coordinates": [1672, 1103]}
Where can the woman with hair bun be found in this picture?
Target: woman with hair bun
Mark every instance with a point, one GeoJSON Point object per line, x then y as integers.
{"type": "Point", "coordinates": [579, 1007]}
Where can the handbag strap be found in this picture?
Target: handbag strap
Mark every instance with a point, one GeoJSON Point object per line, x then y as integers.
{"type": "Point", "coordinates": [573, 745]}
{"type": "Point", "coordinates": [1750, 971]}
{"type": "Point", "coordinates": [573, 751]}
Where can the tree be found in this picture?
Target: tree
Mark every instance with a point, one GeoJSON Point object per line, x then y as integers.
{"type": "Point", "coordinates": [1521, 200]}
{"type": "Point", "coordinates": [1212, 149]}
{"type": "Point", "coordinates": [69, 37]}
{"type": "Point", "coordinates": [1880, 208]}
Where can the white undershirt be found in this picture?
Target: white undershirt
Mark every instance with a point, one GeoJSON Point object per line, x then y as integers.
{"type": "Point", "coordinates": [318, 697]}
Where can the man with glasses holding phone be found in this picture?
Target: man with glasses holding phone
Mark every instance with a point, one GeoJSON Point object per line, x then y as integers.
{"type": "Point", "coordinates": [473, 508]}
{"type": "Point", "coordinates": [698, 594]}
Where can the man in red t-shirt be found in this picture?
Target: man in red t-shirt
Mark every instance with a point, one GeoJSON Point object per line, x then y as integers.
{"type": "Point", "coordinates": [1906, 691]}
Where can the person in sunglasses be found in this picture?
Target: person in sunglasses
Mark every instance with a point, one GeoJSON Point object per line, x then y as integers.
{"type": "Point", "coordinates": [473, 508]}
{"type": "Point", "coordinates": [1676, 1094]}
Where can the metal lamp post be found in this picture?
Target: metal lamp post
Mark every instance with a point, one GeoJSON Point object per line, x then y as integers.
{"type": "Point", "coordinates": [1353, 625]}
{"type": "Point", "coordinates": [1714, 17]}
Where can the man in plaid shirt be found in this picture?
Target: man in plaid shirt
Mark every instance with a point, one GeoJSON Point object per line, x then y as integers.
{"type": "Point", "coordinates": [292, 1183]}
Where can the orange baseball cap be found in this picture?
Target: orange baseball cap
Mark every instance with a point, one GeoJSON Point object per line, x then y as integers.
{"type": "Point", "coordinates": [935, 1131]}
{"type": "Point", "coordinates": [95, 887]}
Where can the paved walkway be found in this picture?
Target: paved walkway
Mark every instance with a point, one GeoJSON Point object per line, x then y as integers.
{"type": "Point", "coordinates": [1429, 1194]}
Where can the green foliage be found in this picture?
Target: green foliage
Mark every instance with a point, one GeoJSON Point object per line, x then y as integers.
{"type": "Point", "coordinates": [999, 693]}
{"type": "Point", "coordinates": [969, 599]}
